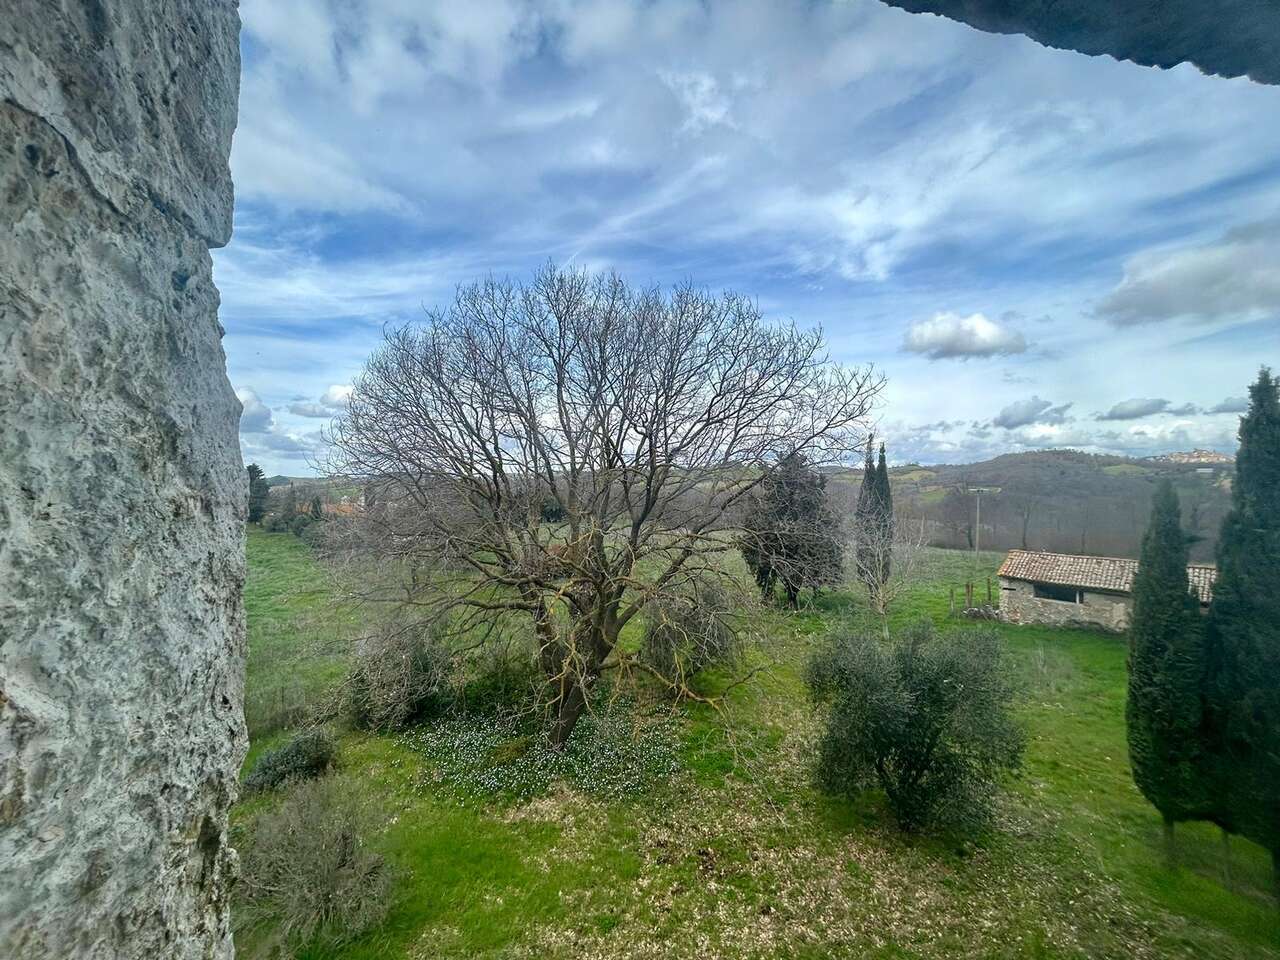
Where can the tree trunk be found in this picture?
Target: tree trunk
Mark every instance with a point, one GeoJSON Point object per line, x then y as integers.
{"type": "Point", "coordinates": [572, 704]}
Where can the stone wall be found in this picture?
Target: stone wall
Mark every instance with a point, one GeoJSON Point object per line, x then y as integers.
{"type": "Point", "coordinates": [1019, 604]}
{"type": "Point", "coordinates": [121, 487]}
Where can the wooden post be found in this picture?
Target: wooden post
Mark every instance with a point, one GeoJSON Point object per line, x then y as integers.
{"type": "Point", "coordinates": [953, 600]}
{"type": "Point", "coordinates": [988, 591]}
{"type": "Point", "coordinates": [968, 595]}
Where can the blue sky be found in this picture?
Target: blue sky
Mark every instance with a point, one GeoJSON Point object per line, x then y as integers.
{"type": "Point", "coordinates": [1037, 247]}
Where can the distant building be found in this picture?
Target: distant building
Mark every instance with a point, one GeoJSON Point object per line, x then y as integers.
{"type": "Point", "coordinates": [1066, 590]}
{"type": "Point", "coordinates": [1195, 456]}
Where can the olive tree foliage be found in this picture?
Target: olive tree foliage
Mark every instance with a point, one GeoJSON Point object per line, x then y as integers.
{"type": "Point", "coordinates": [926, 718]}
{"type": "Point", "coordinates": [641, 419]}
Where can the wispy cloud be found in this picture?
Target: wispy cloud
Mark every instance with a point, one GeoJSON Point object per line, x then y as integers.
{"type": "Point", "coordinates": [1135, 409]}
{"type": "Point", "coordinates": [1230, 405]}
{"type": "Point", "coordinates": [854, 171]}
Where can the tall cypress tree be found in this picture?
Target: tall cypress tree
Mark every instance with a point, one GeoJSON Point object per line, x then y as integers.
{"type": "Point", "coordinates": [258, 490]}
{"type": "Point", "coordinates": [866, 492]}
{"type": "Point", "coordinates": [1244, 632]}
{"type": "Point", "coordinates": [884, 508]}
{"type": "Point", "coordinates": [1167, 671]}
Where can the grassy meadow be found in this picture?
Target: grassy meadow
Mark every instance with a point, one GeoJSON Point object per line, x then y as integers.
{"type": "Point", "coordinates": [736, 855]}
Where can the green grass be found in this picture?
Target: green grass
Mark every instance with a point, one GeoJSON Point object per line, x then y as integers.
{"type": "Point", "coordinates": [298, 634]}
{"type": "Point", "coordinates": [740, 857]}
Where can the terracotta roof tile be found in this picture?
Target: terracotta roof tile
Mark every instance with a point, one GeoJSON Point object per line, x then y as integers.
{"type": "Point", "coordinates": [1092, 573]}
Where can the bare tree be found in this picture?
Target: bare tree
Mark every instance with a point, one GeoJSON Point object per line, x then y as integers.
{"type": "Point", "coordinates": [644, 420]}
{"type": "Point", "coordinates": [1023, 506]}
{"type": "Point", "coordinates": [888, 560]}
{"type": "Point", "coordinates": [957, 515]}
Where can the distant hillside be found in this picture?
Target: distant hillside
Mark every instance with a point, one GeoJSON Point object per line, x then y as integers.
{"type": "Point", "coordinates": [1057, 500]}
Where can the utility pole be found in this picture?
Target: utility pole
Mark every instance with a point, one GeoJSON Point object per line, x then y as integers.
{"type": "Point", "coordinates": [977, 523]}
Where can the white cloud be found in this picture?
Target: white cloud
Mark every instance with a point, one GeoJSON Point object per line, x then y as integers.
{"type": "Point", "coordinates": [256, 415]}
{"type": "Point", "coordinates": [331, 402]}
{"type": "Point", "coordinates": [1135, 409]}
{"type": "Point", "coordinates": [1031, 411]}
{"type": "Point", "coordinates": [1236, 277]}
{"type": "Point", "coordinates": [1230, 405]}
{"type": "Point", "coordinates": [949, 335]}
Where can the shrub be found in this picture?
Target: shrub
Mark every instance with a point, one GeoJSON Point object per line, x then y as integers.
{"type": "Point", "coordinates": [402, 674]}
{"type": "Point", "coordinates": [309, 754]}
{"type": "Point", "coordinates": [315, 535]}
{"type": "Point", "coordinates": [276, 523]}
{"type": "Point", "coordinates": [307, 875]}
{"type": "Point", "coordinates": [689, 631]}
{"type": "Point", "coordinates": [500, 680]}
{"type": "Point", "coordinates": [927, 719]}
{"type": "Point", "coordinates": [299, 524]}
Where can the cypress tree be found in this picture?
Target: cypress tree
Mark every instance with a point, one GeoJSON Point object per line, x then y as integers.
{"type": "Point", "coordinates": [1244, 633]}
{"type": "Point", "coordinates": [789, 533]}
{"type": "Point", "coordinates": [874, 523]}
{"type": "Point", "coordinates": [864, 519]}
{"type": "Point", "coordinates": [258, 490]}
{"type": "Point", "coordinates": [884, 512]}
{"type": "Point", "coordinates": [1164, 711]}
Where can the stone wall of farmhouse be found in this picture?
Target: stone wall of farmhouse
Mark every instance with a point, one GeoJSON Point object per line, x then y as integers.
{"type": "Point", "coordinates": [122, 494]}
{"type": "Point", "coordinates": [1019, 604]}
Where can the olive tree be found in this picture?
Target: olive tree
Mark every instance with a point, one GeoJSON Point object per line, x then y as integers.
{"type": "Point", "coordinates": [641, 420]}
{"type": "Point", "coordinates": [927, 718]}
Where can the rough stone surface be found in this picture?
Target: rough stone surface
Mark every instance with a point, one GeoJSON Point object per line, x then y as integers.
{"type": "Point", "coordinates": [1231, 38]}
{"type": "Point", "coordinates": [1108, 611]}
{"type": "Point", "coordinates": [121, 487]}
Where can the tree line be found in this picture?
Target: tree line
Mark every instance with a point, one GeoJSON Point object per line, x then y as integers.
{"type": "Point", "coordinates": [1203, 709]}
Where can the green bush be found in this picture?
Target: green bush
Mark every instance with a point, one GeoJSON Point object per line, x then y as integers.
{"type": "Point", "coordinates": [689, 630]}
{"type": "Point", "coordinates": [307, 875]}
{"type": "Point", "coordinates": [299, 524]}
{"type": "Point", "coordinates": [927, 719]}
{"type": "Point", "coordinates": [276, 523]}
{"type": "Point", "coordinates": [308, 755]}
{"type": "Point", "coordinates": [402, 674]}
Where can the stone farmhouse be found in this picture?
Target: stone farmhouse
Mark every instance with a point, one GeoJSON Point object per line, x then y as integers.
{"type": "Point", "coordinates": [1061, 589]}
